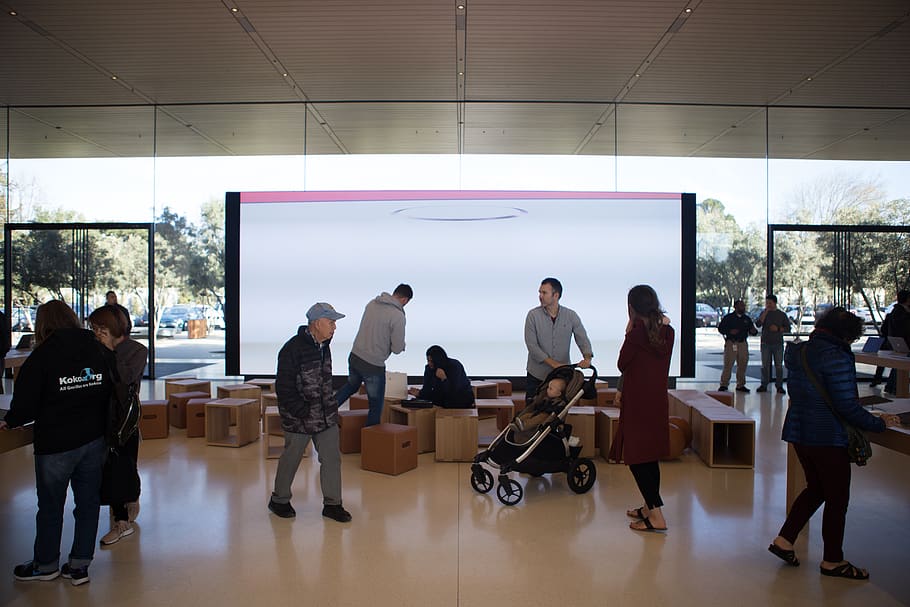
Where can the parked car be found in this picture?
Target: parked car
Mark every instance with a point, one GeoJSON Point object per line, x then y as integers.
{"type": "Point", "coordinates": [806, 316]}
{"type": "Point", "coordinates": [214, 318]}
{"type": "Point", "coordinates": [705, 315]}
{"type": "Point", "coordinates": [863, 313]}
{"type": "Point", "coordinates": [174, 319]}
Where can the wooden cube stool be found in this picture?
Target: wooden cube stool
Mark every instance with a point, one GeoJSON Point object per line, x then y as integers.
{"type": "Point", "coordinates": [271, 424]}
{"type": "Point", "coordinates": [186, 384]}
{"type": "Point", "coordinates": [269, 399]}
{"type": "Point", "coordinates": [388, 448]}
{"type": "Point", "coordinates": [266, 385]}
{"type": "Point", "coordinates": [153, 422]}
{"type": "Point", "coordinates": [195, 417]}
{"type": "Point", "coordinates": [606, 423]}
{"type": "Point", "coordinates": [606, 396]}
{"type": "Point", "coordinates": [422, 419]}
{"type": "Point", "coordinates": [503, 386]}
{"type": "Point", "coordinates": [582, 420]}
{"type": "Point", "coordinates": [723, 397]}
{"type": "Point", "coordinates": [456, 435]}
{"type": "Point", "coordinates": [485, 389]}
{"type": "Point", "coordinates": [218, 413]}
{"type": "Point", "coordinates": [358, 401]}
{"type": "Point", "coordinates": [350, 423]}
{"type": "Point", "coordinates": [177, 406]}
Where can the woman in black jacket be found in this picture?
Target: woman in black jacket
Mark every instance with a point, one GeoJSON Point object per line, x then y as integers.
{"type": "Point", "coordinates": [64, 387]}
{"type": "Point", "coordinates": [445, 382]}
{"type": "Point", "coordinates": [111, 327]}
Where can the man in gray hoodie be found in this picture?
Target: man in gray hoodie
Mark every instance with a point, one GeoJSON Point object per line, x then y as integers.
{"type": "Point", "coordinates": [380, 335]}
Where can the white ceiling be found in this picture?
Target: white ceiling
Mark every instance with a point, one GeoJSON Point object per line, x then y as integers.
{"type": "Point", "coordinates": [425, 76]}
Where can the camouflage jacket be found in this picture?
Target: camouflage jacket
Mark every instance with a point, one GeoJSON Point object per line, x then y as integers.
{"type": "Point", "coordinates": [306, 400]}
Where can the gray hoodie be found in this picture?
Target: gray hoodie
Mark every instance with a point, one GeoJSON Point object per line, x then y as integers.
{"type": "Point", "coordinates": [381, 332]}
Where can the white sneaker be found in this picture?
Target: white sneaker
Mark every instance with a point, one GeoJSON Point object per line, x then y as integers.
{"type": "Point", "coordinates": [132, 510]}
{"type": "Point", "coordinates": [119, 530]}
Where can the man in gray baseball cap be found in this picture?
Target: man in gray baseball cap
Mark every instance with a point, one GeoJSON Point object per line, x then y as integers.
{"type": "Point", "coordinates": [308, 411]}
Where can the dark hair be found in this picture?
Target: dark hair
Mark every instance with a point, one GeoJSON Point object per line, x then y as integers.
{"type": "Point", "coordinates": [404, 290]}
{"type": "Point", "coordinates": [842, 324]}
{"type": "Point", "coordinates": [644, 302]}
{"type": "Point", "coordinates": [438, 356]}
{"type": "Point", "coordinates": [902, 296]}
{"type": "Point", "coordinates": [554, 284]}
{"type": "Point", "coordinates": [110, 318]}
{"type": "Point", "coordinates": [772, 297]}
{"type": "Point", "coordinates": [110, 293]}
{"type": "Point", "coordinates": [739, 301]}
{"type": "Point", "coordinates": [54, 315]}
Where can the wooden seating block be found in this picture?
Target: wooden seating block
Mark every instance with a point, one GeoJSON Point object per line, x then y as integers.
{"type": "Point", "coordinates": [503, 407]}
{"type": "Point", "coordinates": [723, 437]}
{"type": "Point", "coordinates": [485, 389]}
{"type": "Point", "coordinates": [271, 425]}
{"type": "Point", "coordinates": [177, 406]}
{"type": "Point", "coordinates": [519, 402]}
{"type": "Point", "coordinates": [606, 423]}
{"type": "Point", "coordinates": [723, 397]}
{"type": "Point", "coordinates": [456, 435]}
{"type": "Point", "coordinates": [388, 448]}
{"type": "Point", "coordinates": [154, 420]}
{"type": "Point", "coordinates": [186, 384]}
{"type": "Point", "coordinates": [266, 385]}
{"type": "Point", "coordinates": [422, 419]}
{"type": "Point", "coordinates": [358, 401]}
{"type": "Point", "coordinates": [582, 421]}
{"type": "Point", "coordinates": [195, 417]}
{"type": "Point", "coordinates": [606, 396]}
{"type": "Point", "coordinates": [269, 399]}
{"type": "Point", "coordinates": [242, 391]}
{"type": "Point", "coordinates": [503, 386]}
{"type": "Point", "coordinates": [350, 423]}
{"type": "Point", "coordinates": [218, 430]}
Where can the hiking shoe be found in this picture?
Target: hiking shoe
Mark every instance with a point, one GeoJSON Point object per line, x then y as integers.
{"type": "Point", "coordinates": [761, 389]}
{"type": "Point", "coordinates": [27, 572]}
{"type": "Point", "coordinates": [282, 510]}
{"type": "Point", "coordinates": [722, 389]}
{"type": "Point", "coordinates": [336, 512]}
{"type": "Point", "coordinates": [76, 575]}
{"type": "Point", "coordinates": [132, 511]}
{"type": "Point", "coordinates": [119, 530]}
{"type": "Point", "coordinates": [744, 389]}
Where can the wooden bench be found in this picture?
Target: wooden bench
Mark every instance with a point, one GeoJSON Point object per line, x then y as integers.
{"type": "Point", "coordinates": [722, 436]}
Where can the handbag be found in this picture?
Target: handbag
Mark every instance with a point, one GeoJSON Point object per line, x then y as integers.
{"type": "Point", "coordinates": [119, 478]}
{"type": "Point", "coordinates": [859, 449]}
{"type": "Point", "coordinates": [124, 410]}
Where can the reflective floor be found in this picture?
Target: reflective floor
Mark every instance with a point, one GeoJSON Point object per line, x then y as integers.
{"type": "Point", "coordinates": [426, 538]}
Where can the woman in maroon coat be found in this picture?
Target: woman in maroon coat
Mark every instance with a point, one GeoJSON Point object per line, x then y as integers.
{"type": "Point", "coordinates": [643, 436]}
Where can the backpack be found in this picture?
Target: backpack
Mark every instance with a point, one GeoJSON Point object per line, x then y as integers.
{"type": "Point", "coordinates": [124, 410]}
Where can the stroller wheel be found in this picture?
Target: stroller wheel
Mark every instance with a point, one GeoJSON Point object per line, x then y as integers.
{"type": "Point", "coordinates": [509, 492]}
{"type": "Point", "coordinates": [581, 476]}
{"type": "Point", "coordinates": [481, 480]}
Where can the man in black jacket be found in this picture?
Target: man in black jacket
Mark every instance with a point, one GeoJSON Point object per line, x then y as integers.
{"type": "Point", "coordinates": [306, 402]}
{"type": "Point", "coordinates": [736, 327]}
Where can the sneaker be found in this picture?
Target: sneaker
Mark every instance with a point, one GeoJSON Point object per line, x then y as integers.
{"type": "Point", "coordinates": [132, 511]}
{"type": "Point", "coordinates": [744, 389]}
{"type": "Point", "coordinates": [336, 512]}
{"type": "Point", "coordinates": [722, 389]}
{"type": "Point", "coordinates": [282, 510]}
{"type": "Point", "coordinates": [781, 390]}
{"type": "Point", "coordinates": [761, 389]}
{"type": "Point", "coordinates": [76, 576]}
{"type": "Point", "coordinates": [27, 572]}
{"type": "Point", "coordinates": [119, 530]}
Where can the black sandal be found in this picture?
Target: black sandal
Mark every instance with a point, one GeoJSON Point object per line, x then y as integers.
{"type": "Point", "coordinates": [847, 570]}
{"type": "Point", "coordinates": [648, 526]}
{"type": "Point", "coordinates": [787, 556]}
{"type": "Point", "coordinates": [637, 513]}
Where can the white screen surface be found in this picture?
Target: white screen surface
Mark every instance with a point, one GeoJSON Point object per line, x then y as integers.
{"type": "Point", "coordinates": [475, 262]}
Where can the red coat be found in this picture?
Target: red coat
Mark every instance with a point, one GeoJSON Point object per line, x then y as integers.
{"type": "Point", "coordinates": [644, 426]}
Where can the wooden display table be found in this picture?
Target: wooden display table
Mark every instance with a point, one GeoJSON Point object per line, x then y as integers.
{"type": "Point", "coordinates": [17, 437]}
{"type": "Point", "coordinates": [456, 435]}
{"type": "Point", "coordinates": [899, 362]}
{"type": "Point", "coordinates": [15, 359]}
{"type": "Point", "coordinates": [582, 421]}
{"type": "Point", "coordinates": [422, 419]}
{"type": "Point", "coordinates": [218, 429]}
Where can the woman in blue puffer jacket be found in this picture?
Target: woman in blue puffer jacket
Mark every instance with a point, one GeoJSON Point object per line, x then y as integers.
{"type": "Point", "coordinates": [820, 440]}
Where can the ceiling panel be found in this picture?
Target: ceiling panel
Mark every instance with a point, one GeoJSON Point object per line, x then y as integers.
{"type": "Point", "coordinates": [62, 132]}
{"type": "Point", "coordinates": [820, 133]}
{"type": "Point", "coordinates": [523, 128]}
{"type": "Point", "coordinates": [394, 128]}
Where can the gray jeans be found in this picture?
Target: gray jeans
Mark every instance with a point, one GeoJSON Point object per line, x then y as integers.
{"type": "Point", "coordinates": [327, 445]}
{"type": "Point", "coordinates": [775, 351]}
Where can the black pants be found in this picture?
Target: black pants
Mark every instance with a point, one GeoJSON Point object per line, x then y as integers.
{"type": "Point", "coordinates": [647, 477]}
{"type": "Point", "coordinates": [131, 450]}
{"type": "Point", "coordinates": [827, 472]}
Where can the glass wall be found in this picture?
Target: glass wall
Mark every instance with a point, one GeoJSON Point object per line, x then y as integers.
{"type": "Point", "coordinates": [748, 166]}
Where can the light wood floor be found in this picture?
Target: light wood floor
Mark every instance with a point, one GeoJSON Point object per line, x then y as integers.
{"type": "Point", "coordinates": [426, 538]}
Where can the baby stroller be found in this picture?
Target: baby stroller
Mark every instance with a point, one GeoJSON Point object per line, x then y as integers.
{"type": "Point", "coordinates": [546, 448]}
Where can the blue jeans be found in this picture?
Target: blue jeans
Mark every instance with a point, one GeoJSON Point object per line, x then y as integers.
{"type": "Point", "coordinates": [54, 473]}
{"type": "Point", "coordinates": [375, 392]}
{"type": "Point", "coordinates": [775, 351]}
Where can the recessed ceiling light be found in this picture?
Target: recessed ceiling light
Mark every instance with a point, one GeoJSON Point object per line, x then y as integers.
{"type": "Point", "coordinates": [113, 77]}
{"type": "Point", "coordinates": [460, 7]}
{"type": "Point", "coordinates": [688, 10]}
{"type": "Point", "coordinates": [809, 78]}
{"type": "Point", "coordinates": [638, 75]}
{"type": "Point", "coordinates": [461, 73]}
{"type": "Point", "coordinates": [235, 9]}
{"type": "Point", "coordinates": [13, 13]}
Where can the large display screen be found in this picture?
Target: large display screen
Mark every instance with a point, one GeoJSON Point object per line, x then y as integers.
{"type": "Point", "coordinates": [475, 260]}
